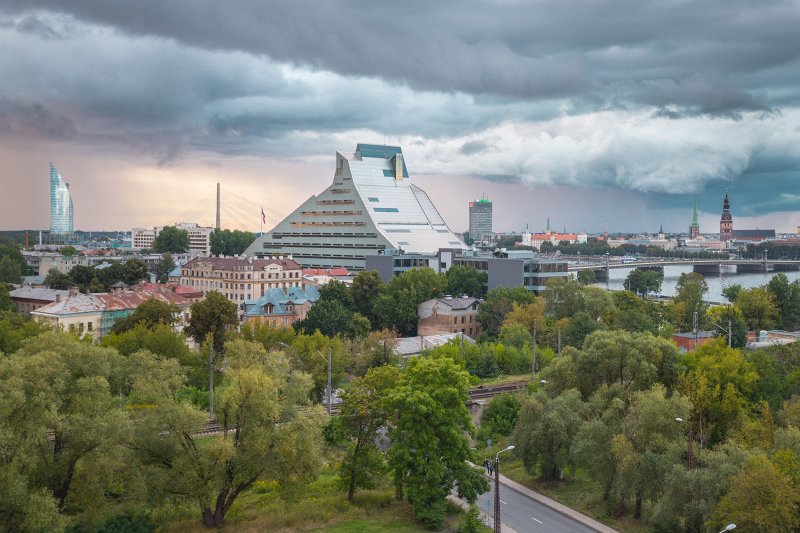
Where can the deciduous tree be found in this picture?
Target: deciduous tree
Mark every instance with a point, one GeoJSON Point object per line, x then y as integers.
{"type": "Point", "coordinates": [171, 239]}
{"type": "Point", "coordinates": [213, 315]}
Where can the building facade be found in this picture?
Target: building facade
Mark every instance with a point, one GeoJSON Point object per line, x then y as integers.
{"type": "Point", "coordinates": [726, 221]}
{"type": "Point", "coordinates": [370, 208]}
{"type": "Point", "coordinates": [535, 240]}
{"type": "Point", "coordinates": [480, 219]}
{"type": "Point", "coordinates": [241, 278]}
{"type": "Point", "coordinates": [199, 237]}
{"type": "Point", "coordinates": [60, 204]}
{"type": "Point", "coordinates": [449, 315]}
{"type": "Point", "coordinates": [29, 299]}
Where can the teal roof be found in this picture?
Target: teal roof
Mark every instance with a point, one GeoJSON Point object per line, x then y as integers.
{"type": "Point", "coordinates": [278, 298]}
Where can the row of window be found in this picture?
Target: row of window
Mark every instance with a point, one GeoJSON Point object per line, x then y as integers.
{"type": "Point", "coordinates": [342, 223]}
{"type": "Point", "coordinates": [330, 213]}
{"type": "Point", "coordinates": [225, 275]}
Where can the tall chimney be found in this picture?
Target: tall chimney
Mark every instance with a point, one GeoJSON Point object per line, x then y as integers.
{"type": "Point", "coordinates": [217, 226]}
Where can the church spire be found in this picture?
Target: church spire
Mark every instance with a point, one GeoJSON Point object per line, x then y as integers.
{"type": "Point", "coordinates": [548, 231]}
{"type": "Point", "coordinates": [694, 214]}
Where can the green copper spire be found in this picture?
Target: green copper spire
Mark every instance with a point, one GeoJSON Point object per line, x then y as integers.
{"type": "Point", "coordinates": [548, 224]}
{"type": "Point", "coordinates": [661, 229]}
{"type": "Point", "coordinates": [694, 214]}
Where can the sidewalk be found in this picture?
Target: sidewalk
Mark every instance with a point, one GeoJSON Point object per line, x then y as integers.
{"type": "Point", "coordinates": [555, 506]}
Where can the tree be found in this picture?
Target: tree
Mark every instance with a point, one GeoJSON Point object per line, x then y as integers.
{"type": "Point", "coordinates": [465, 280]}
{"type": "Point", "coordinates": [760, 498]}
{"type": "Point", "coordinates": [151, 313]}
{"type": "Point", "coordinates": [758, 308]}
{"type": "Point", "coordinates": [545, 430]}
{"type": "Point", "coordinates": [366, 288]}
{"type": "Point", "coordinates": [171, 239]}
{"type": "Point", "coordinates": [58, 280]}
{"type": "Point", "coordinates": [68, 251]}
{"type": "Point", "coordinates": [648, 432]}
{"type": "Point", "coordinates": [689, 299]}
{"type": "Point", "coordinates": [363, 414]}
{"type": "Point", "coordinates": [500, 415]}
{"type": "Point", "coordinates": [164, 266]}
{"type": "Point", "coordinates": [787, 299]}
{"type": "Point", "coordinates": [12, 264]}
{"type": "Point", "coordinates": [82, 276]}
{"type": "Point", "coordinates": [213, 315]}
{"type": "Point", "coordinates": [5, 298]}
{"type": "Point", "coordinates": [720, 317]}
{"type": "Point", "coordinates": [60, 419]}
{"type": "Point", "coordinates": [587, 277]}
{"type": "Point", "coordinates": [264, 435]}
{"type": "Point", "coordinates": [329, 317]}
{"type": "Point", "coordinates": [428, 426]}
{"type": "Point", "coordinates": [499, 302]}
{"type": "Point", "coordinates": [577, 328]}
{"type": "Point", "coordinates": [396, 308]}
{"type": "Point", "coordinates": [227, 242]}
{"type": "Point", "coordinates": [731, 292]}
{"type": "Point", "coordinates": [643, 282]}
{"type": "Point", "coordinates": [337, 291]}
{"type": "Point", "coordinates": [564, 297]}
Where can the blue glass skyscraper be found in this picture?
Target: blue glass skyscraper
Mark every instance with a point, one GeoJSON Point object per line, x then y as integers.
{"type": "Point", "coordinates": [60, 204]}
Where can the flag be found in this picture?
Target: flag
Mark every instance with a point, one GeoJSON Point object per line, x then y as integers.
{"type": "Point", "coordinates": [263, 216]}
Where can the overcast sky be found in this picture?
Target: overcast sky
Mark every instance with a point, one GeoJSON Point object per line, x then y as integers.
{"type": "Point", "coordinates": [590, 112]}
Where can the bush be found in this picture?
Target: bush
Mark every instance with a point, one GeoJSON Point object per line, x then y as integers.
{"type": "Point", "coordinates": [470, 521]}
{"type": "Point", "coordinates": [500, 415]}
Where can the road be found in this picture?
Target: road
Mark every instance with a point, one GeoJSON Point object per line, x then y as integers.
{"type": "Point", "coordinates": [527, 515]}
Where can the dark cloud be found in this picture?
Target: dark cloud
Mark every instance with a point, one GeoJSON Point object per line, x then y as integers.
{"type": "Point", "coordinates": [34, 120]}
{"type": "Point", "coordinates": [473, 147]}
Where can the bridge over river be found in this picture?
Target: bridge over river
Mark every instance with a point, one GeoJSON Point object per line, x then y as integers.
{"type": "Point", "coordinates": [602, 265]}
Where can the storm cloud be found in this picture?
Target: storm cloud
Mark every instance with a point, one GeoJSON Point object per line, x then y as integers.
{"type": "Point", "coordinates": [654, 97]}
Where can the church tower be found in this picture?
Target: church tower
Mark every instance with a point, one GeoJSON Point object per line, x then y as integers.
{"type": "Point", "coordinates": [694, 229]}
{"type": "Point", "coordinates": [726, 222]}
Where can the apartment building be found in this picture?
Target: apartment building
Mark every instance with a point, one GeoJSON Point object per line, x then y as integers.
{"type": "Point", "coordinates": [240, 278]}
{"type": "Point", "coordinates": [449, 315]}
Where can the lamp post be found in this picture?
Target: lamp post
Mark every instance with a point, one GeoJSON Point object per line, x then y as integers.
{"type": "Point", "coordinates": [330, 392]}
{"type": "Point", "coordinates": [497, 488]}
{"type": "Point", "coordinates": [689, 451]}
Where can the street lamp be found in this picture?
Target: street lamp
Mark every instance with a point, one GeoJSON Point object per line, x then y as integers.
{"type": "Point", "coordinates": [497, 488]}
{"type": "Point", "coordinates": [729, 527]}
{"type": "Point", "coordinates": [330, 391]}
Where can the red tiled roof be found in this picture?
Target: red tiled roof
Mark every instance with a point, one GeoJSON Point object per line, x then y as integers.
{"type": "Point", "coordinates": [121, 300]}
{"type": "Point", "coordinates": [339, 271]}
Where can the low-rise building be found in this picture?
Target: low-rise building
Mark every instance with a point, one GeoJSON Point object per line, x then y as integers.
{"type": "Point", "coordinates": [199, 237]}
{"type": "Point", "coordinates": [27, 299]}
{"type": "Point", "coordinates": [689, 341]}
{"type": "Point", "coordinates": [241, 278]}
{"type": "Point", "coordinates": [280, 307]}
{"type": "Point", "coordinates": [93, 315]}
{"type": "Point", "coordinates": [412, 346]}
{"type": "Point", "coordinates": [449, 315]}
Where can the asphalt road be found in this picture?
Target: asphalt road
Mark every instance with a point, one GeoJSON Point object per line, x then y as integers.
{"type": "Point", "coordinates": [527, 515]}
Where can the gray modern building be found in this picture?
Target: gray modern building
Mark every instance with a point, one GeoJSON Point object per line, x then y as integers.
{"type": "Point", "coordinates": [480, 219]}
{"type": "Point", "coordinates": [60, 204]}
{"type": "Point", "coordinates": [370, 208]}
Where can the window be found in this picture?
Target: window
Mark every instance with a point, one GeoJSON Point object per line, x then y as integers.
{"type": "Point", "coordinates": [373, 199]}
{"type": "Point", "coordinates": [388, 210]}
{"type": "Point", "coordinates": [455, 320]}
{"type": "Point", "coordinates": [88, 326]}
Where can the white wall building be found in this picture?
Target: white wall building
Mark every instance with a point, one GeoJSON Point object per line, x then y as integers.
{"type": "Point", "coordinates": [199, 237]}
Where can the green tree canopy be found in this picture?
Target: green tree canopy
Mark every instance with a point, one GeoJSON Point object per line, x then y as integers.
{"type": "Point", "coordinates": [58, 280]}
{"type": "Point", "coordinates": [213, 315]}
{"type": "Point", "coordinates": [689, 299]}
{"type": "Point", "coordinates": [164, 266]}
{"type": "Point", "coordinates": [12, 264]}
{"type": "Point", "coordinates": [466, 280]}
{"type": "Point", "coordinates": [428, 430]}
{"type": "Point", "coordinates": [337, 291]}
{"type": "Point", "coordinates": [643, 282]}
{"type": "Point", "coordinates": [227, 242]}
{"type": "Point", "coordinates": [758, 308]}
{"type": "Point", "coordinates": [499, 302]}
{"type": "Point", "coordinates": [366, 288]}
{"type": "Point", "coordinates": [151, 313]}
{"type": "Point", "coordinates": [396, 308]}
{"type": "Point", "coordinates": [171, 239]}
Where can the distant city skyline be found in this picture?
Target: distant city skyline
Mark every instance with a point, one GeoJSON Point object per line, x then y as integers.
{"type": "Point", "coordinates": [599, 113]}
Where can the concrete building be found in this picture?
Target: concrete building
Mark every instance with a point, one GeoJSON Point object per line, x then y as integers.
{"type": "Point", "coordinates": [199, 237]}
{"type": "Point", "coordinates": [280, 307]}
{"type": "Point", "coordinates": [504, 268]}
{"type": "Point", "coordinates": [241, 278]}
{"type": "Point", "coordinates": [449, 315]}
{"type": "Point", "coordinates": [27, 299]}
{"type": "Point", "coordinates": [480, 219]}
{"type": "Point", "coordinates": [371, 207]}
{"type": "Point", "coordinates": [61, 221]}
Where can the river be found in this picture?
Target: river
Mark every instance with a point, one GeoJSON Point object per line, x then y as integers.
{"type": "Point", "coordinates": [715, 282]}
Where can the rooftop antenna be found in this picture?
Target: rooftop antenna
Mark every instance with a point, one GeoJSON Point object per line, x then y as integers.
{"type": "Point", "coordinates": [217, 226]}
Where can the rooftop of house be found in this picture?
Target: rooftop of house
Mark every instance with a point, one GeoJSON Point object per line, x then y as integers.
{"type": "Point", "coordinates": [457, 303]}
{"type": "Point", "coordinates": [37, 293]}
{"type": "Point", "coordinates": [73, 304]}
{"type": "Point", "coordinates": [231, 263]}
{"type": "Point", "coordinates": [406, 346]}
{"type": "Point", "coordinates": [275, 301]}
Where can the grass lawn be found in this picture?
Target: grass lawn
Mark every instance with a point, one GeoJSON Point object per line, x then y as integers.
{"type": "Point", "coordinates": [320, 507]}
{"type": "Point", "coordinates": [499, 380]}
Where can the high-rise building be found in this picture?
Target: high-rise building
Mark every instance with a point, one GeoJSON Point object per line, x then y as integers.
{"type": "Point", "coordinates": [60, 204]}
{"type": "Point", "coordinates": [370, 208]}
{"type": "Point", "coordinates": [694, 229]}
{"type": "Point", "coordinates": [726, 222]}
{"type": "Point", "coordinates": [480, 219]}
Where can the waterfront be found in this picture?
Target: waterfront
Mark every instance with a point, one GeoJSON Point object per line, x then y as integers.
{"type": "Point", "coordinates": [715, 283]}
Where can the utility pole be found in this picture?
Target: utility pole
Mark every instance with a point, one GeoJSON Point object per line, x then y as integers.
{"type": "Point", "coordinates": [730, 334]}
{"type": "Point", "coordinates": [497, 494]}
{"type": "Point", "coordinates": [696, 329]}
{"type": "Point", "coordinates": [533, 354]}
{"type": "Point", "coordinates": [691, 438]}
{"type": "Point", "coordinates": [330, 390]}
{"type": "Point", "coordinates": [211, 376]}
{"type": "Point", "coordinates": [559, 340]}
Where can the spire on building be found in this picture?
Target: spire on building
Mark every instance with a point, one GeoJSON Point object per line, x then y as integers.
{"type": "Point", "coordinates": [548, 226]}
{"type": "Point", "coordinates": [694, 229]}
{"type": "Point", "coordinates": [694, 214]}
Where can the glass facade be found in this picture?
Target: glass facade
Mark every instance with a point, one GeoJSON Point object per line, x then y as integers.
{"type": "Point", "coordinates": [480, 219]}
{"type": "Point", "coordinates": [60, 204]}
